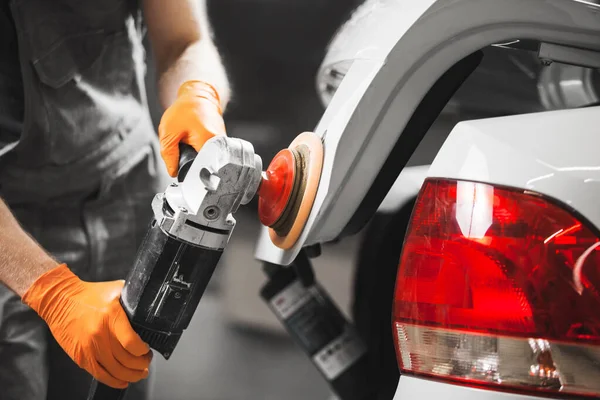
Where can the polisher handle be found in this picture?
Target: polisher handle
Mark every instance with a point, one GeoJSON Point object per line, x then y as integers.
{"type": "Point", "coordinates": [187, 155]}
{"type": "Point", "coordinates": [100, 391]}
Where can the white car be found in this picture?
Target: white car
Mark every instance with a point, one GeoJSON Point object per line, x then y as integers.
{"type": "Point", "coordinates": [487, 263]}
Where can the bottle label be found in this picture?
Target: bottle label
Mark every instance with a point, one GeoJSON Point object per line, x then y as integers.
{"type": "Point", "coordinates": [340, 354]}
{"type": "Point", "coordinates": [290, 300]}
{"type": "Point", "coordinates": [318, 327]}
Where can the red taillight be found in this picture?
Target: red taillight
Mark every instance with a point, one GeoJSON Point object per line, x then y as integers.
{"type": "Point", "coordinates": [498, 288]}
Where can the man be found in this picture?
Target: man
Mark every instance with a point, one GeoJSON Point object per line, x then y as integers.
{"type": "Point", "coordinates": [79, 165]}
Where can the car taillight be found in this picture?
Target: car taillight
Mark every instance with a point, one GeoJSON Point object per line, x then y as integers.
{"type": "Point", "coordinates": [500, 289]}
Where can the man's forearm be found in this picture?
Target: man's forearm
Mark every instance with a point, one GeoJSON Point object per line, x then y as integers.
{"type": "Point", "coordinates": [183, 49]}
{"type": "Point", "coordinates": [22, 259]}
{"type": "Point", "coordinates": [197, 61]}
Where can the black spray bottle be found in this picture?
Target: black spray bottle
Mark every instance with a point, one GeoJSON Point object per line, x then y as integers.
{"type": "Point", "coordinates": [318, 327]}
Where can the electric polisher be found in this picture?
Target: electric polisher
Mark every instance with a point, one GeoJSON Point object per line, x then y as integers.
{"type": "Point", "coordinates": [193, 222]}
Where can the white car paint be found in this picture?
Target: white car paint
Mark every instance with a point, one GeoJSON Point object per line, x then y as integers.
{"type": "Point", "coordinates": [410, 388]}
{"type": "Point", "coordinates": [555, 153]}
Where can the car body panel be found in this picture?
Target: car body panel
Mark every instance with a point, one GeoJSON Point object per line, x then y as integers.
{"type": "Point", "coordinates": [410, 388]}
{"type": "Point", "coordinates": [376, 99]}
{"type": "Point", "coordinates": [555, 153]}
{"type": "Point", "coordinates": [377, 25]}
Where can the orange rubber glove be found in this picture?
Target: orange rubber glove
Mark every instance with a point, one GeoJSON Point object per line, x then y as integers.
{"type": "Point", "coordinates": [90, 324]}
{"type": "Point", "coordinates": [193, 118]}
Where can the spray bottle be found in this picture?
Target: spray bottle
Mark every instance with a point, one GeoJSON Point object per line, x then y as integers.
{"type": "Point", "coordinates": [317, 325]}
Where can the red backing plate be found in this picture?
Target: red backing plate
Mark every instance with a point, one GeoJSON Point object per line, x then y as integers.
{"type": "Point", "coordinates": [276, 187]}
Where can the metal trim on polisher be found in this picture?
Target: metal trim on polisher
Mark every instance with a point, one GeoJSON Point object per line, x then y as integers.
{"type": "Point", "coordinates": [307, 149]}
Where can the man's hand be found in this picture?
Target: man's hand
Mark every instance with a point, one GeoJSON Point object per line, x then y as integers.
{"type": "Point", "coordinates": [192, 82]}
{"type": "Point", "coordinates": [89, 323]}
{"type": "Point", "coordinates": [86, 318]}
{"type": "Point", "coordinates": [193, 118]}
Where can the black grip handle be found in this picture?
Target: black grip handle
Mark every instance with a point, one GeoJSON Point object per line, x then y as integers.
{"type": "Point", "coordinates": [187, 154]}
{"type": "Point", "coordinates": [100, 391]}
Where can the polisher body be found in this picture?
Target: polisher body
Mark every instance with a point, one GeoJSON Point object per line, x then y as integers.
{"type": "Point", "coordinates": [193, 221]}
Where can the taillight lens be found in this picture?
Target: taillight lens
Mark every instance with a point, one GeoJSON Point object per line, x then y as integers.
{"type": "Point", "coordinates": [498, 288]}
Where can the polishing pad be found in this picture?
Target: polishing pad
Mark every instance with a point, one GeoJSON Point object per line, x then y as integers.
{"type": "Point", "coordinates": [289, 188]}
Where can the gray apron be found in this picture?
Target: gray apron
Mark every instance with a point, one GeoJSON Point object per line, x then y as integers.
{"type": "Point", "coordinates": [78, 167]}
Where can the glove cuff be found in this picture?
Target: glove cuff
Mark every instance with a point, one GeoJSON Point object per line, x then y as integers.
{"type": "Point", "coordinates": [201, 89]}
{"type": "Point", "coordinates": [47, 289]}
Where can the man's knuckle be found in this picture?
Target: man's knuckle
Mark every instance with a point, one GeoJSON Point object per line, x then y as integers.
{"type": "Point", "coordinates": [96, 331]}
